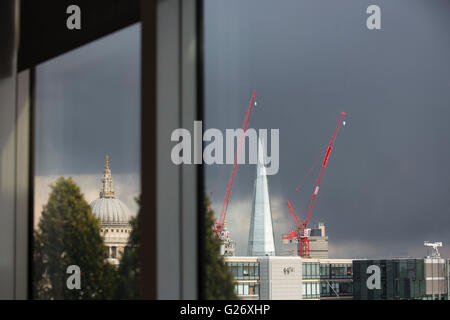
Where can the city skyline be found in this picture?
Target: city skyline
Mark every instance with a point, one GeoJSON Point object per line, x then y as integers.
{"type": "Point", "coordinates": [386, 187]}
{"type": "Point", "coordinates": [386, 183]}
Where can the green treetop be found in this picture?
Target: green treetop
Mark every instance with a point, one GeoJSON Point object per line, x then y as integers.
{"type": "Point", "coordinates": [69, 234]}
{"type": "Point", "coordinates": [218, 277]}
{"type": "Point", "coordinates": [129, 268]}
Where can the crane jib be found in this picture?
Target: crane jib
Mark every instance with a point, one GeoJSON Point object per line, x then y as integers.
{"type": "Point", "coordinates": [327, 155]}
{"type": "Point", "coordinates": [241, 143]}
{"type": "Point", "coordinates": [302, 234]}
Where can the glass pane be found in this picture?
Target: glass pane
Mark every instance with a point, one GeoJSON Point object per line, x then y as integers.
{"type": "Point", "coordinates": [240, 289]}
{"type": "Point", "coordinates": [307, 66]}
{"type": "Point", "coordinates": [245, 271]}
{"type": "Point", "coordinates": [246, 289]}
{"type": "Point", "coordinates": [87, 171]}
{"type": "Point", "coordinates": [240, 271]}
{"type": "Point", "coordinates": [252, 271]}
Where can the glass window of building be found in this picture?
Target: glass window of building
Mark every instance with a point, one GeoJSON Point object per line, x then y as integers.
{"type": "Point", "coordinates": [247, 288]}
{"type": "Point", "coordinates": [240, 289]}
{"type": "Point", "coordinates": [311, 290]}
{"type": "Point", "coordinates": [87, 166]}
{"type": "Point", "coordinates": [400, 279]}
{"type": "Point", "coordinates": [245, 271]}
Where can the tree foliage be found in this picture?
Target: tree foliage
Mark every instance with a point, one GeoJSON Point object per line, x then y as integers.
{"type": "Point", "coordinates": [129, 269]}
{"type": "Point", "coordinates": [219, 281]}
{"type": "Point", "coordinates": [69, 234]}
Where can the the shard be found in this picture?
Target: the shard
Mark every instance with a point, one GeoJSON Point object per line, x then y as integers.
{"type": "Point", "coordinates": [261, 239]}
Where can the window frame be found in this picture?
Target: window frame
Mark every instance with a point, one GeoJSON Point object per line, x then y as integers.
{"type": "Point", "coordinates": [181, 22]}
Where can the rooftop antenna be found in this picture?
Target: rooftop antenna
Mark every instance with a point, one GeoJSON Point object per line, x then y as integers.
{"type": "Point", "coordinates": [435, 246]}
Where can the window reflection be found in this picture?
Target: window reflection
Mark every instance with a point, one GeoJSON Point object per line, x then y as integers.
{"type": "Point", "coordinates": [87, 170]}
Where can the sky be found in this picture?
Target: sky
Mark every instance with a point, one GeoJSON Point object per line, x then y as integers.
{"type": "Point", "coordinates": [87, 106]}
{"type": "Point", "coordinates": [386, 189]}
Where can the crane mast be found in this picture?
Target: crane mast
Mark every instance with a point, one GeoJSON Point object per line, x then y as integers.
{"type": "Point", "coordinates": [218, 226]}
{"type": "Point", "coordinates": [301, 234]}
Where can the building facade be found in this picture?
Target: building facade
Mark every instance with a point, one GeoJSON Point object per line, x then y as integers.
{"type": "Point", "coordinates": [294, 278]}
{"type": "Point", "coordinates": [281, 278]}
{"type": "Point", "coordinates": [246, 276]}
{"type": "Point", "coordinates": [291, 278]}
{"type": "Point", "coordinates": [327, 279]}
{"type": "Point", "coordinates": [436, 278]}
{"type": "Point", "coordinates": [403, 279]}
{"type": "Point", "coordinates": [318, 242]}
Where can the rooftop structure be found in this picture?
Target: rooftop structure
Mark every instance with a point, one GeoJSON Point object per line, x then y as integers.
{"type": "Point", "coordinates": [227, 246]}
{"type": "Point", "coordinates": [318, 242]}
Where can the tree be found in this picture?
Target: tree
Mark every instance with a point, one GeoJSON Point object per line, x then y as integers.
{"type": "Point", "coordinates": [219, 281]}
{"type": "Point", "coordinates": [69, 234]}
{"type": "Point", "coordinates": [129, 269]}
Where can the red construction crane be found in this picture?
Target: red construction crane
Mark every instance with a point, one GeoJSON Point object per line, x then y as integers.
{"type": "Point", "coordinates": [218, 226]}
{"type": "Point", "coordinates": [301, 234]}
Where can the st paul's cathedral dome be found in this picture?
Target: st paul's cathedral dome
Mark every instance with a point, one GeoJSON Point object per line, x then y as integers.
{"type": "Point", "coordinates": [114, 217]}
{"type": "Point", "coordinates": [108, 209]}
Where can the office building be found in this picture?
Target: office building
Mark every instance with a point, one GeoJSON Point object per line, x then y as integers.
{"type": "Point", "coordinates": [318, 242]}
{"type": "Point", "coordinates": [402, 279]}
{"type": "Point", "coordinates": [324, 279]}
{"type": "Point", "coordinates": [246, 276]}
{"type": "Point", "coordinates": [261, 239]}
{"type": "Point", "coordinates": [291, 278]}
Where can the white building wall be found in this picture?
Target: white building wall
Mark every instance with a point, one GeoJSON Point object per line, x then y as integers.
{"type": "Point", "coordinates": [435, 278]}
{"type": "Point", "coordinates": [318, 247]}
{"type": "Point", "coordinates": [280, 278]}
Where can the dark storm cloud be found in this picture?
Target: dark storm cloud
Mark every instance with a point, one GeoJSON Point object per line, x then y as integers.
{"type": "Point", "coordinates": [88, 105]}
{"type": "Point", "coordinates": [388, 180]}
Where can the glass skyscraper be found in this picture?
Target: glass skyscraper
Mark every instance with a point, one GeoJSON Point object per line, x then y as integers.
{"type": "Point", "coordinates": [261, 239]}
